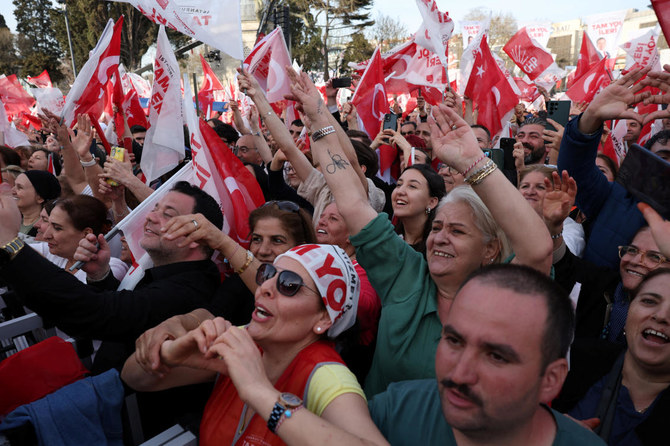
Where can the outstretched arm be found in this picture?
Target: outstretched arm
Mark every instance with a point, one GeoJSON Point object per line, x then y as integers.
{"type": "Point", "coordinates": [455, 144]}
{"type": "Point", "coordinates": [339, 173]}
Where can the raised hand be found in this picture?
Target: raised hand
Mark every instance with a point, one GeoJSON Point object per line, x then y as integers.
{"type": "Point", "coordinates": [453, 140]}
{"type": "Point", "coordinates": [552, 137]}
{"type": "Point", "coordinates": [614, 101]}
{"type": "Point", "coordinates": [82, 140]}
{"type": "Point", "coordinates": [660, 228]}
{"type": "Point", "coordinates": [559, 200]}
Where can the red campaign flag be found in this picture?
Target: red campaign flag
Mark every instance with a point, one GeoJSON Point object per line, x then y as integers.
{"type": "Point", "coordinates": [267, 62]}
{"type": "Point", "coordinates": [41, 81]}
{"type": "Point", "coordinates": [489, 89]}
{"type": "Point", "coordinates": [209, 81]}
{"type": "Point", "coordinates": [648, 130]}
{"type": "Point", "coordinates": [88, 89]}
{"type": "Point", "coordinates": [133, 110]}
{"type": "Point", "coordinates": [14, 97]}
{"type": "Point", "coordinates": [586, 87]}
{"type": "Point", "coordinates": [28, 119]}
{"type": "Point", "coordinates": [370, 96]}
{"type": "Point", "coordinates": [528, 54]}
{"type": "Point", "coordinates": [529, 92]}
{"type": "Point", "coordinates": [662, 10]}
{"type": "Point", "coordinates": [210, 84]}
{"type": "Point", "coordinates": [588, 57]}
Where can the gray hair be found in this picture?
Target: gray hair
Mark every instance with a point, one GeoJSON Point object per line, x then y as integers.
{"type": "Point", "coordinates": [482, 217]}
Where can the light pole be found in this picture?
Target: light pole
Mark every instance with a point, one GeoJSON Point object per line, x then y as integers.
{"type": "Point", "coordinates": [69, 39]}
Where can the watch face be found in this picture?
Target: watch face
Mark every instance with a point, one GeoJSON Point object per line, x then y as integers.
{"type": "Point", "coordinates": [290, 399]}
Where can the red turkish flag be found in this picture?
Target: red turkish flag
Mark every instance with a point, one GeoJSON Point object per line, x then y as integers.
{"type": "Point", "coordinates": [662, 10]}
{"type": "Point", "coordinates": [210, 84]}
{"type": "Point", "coordinates": [489, 89]}
{"type": "Point", "coordinates": [13, 96]}
{"type": "Point", "coordinates": [588, 57]}
{"type": "Point", "coordinates": [40, 81]}
{"type": "Point", "coordinates": [267, 62]}
{"type": "Point", "coordinates": [586, 87]}
{"type": "Point", "coordinates": [133, 110]}
{"type": "Point", "coordinates": [529, 92]}
{"type": "Point", "coordinates": [86, 94]}
{"type": "Point", "coordinates": [370, 96]}
{"type": "Point", "coordinates": [528, 54]}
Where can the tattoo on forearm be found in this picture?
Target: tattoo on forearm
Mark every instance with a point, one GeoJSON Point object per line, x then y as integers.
{"type": "Point", "coordinates": [337, 163]}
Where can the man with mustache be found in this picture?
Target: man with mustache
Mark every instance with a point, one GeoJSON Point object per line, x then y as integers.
{"type": "Point", "coordinates": [501, 359]}
{"type": "Point", "coordinates": [531, 138]}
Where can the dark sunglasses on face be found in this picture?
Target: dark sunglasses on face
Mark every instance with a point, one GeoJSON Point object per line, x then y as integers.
{"type": "Point", "coordinates": [288, 282]}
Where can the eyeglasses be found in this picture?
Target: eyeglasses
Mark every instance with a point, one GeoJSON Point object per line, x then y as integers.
{"type": "Point", "coordinates": [284, 205]}
{"type": "Point", "coordinates": [288, 282]}
{"type": "Point", "coordinates": [651, 258]}
{"type": "Point", "coordinates": [450, 169]}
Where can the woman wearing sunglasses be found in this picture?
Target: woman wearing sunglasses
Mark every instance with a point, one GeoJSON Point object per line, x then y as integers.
{"type": "Point", "coordinates": [277, 375]}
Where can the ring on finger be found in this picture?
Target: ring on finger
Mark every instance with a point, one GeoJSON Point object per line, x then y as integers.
{"type": "Point", "coordinates": [454, 127]}
{"type": "Point", "coordinates": [195, 223]}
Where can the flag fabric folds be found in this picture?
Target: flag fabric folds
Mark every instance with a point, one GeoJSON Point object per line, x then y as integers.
{"type": "Point", "coordinates": [86, 94]}
{"type": "Point", "coordinates": [216, 23]}
{"type": "Point", "coordinates": [267, 62]}
{"type": "Point", "coordinates": [164, 142]}
{"type": "Point", "coordinates": [370, 96]}
{"type": "Point", "coordinates": [435, 30]}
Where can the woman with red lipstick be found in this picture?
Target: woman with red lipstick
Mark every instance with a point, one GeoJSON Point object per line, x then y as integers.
{"type": "Point", "coordinates": [632, 401]}
{"type": "Point", "coordinates": [277, 375]}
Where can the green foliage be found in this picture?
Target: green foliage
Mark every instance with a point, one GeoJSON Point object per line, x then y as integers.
{"type": "Point", "coordinates": [306, 43]}
{"type": "Point", "coordinates": [358, 50]}
{"type": "Point", "coordinates": [3, 24]}
{"type": "Point", "coordinates": [9, 61]}
{"type": "Point", "coordinates": [37, 45]}
{"type": "Point", "coordinates": [87, 20]}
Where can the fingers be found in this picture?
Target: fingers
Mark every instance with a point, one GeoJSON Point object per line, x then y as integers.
{"type": "Point", "coordinates": [652, 217]}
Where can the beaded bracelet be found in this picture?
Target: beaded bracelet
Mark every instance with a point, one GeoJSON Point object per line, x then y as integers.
{"type": "Point", "coordinates": [478, 177]}
{"type": "Point", "coordinates": [286, 414]}
{"type": "Point", "coordinates": [473, 164]}
{"type": "Point", "coordinates": [243, 268]}
{"type": "Point", "coordinates": [477, 171]}
{"type": "Point", "coordinates": [556, 236]}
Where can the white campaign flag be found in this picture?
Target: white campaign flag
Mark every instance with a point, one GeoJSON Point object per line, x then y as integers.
{"type": "Point", "coordinates": [217, 23]}
{"type": "Point", "coordinates": [133, 227]}
{"type": "Point", "coordinates": [604, 30]}
{"type": "Point", "coordinates": [13, 137]}
{"type": "Point", "coordinates": [49, 98]}
{"type": "Point", "coordinates": [435, 30]}
{"type": "Point", "coordinates": [164, 142]}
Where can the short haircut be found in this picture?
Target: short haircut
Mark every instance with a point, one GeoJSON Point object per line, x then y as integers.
{"type": "Point", "coordinates": [533, 120]}
{"type": "Point", "coordinates": [137, 129]}
{"type": "Point", "coordinates": [205, 204]}
{"type": "Point", "coordinates": [483, 127]}
{"type": "Point", "coordinates": [225, 131]}
{"type": "Point", "coordinates": [362, 136]}
{"type": "Point", "coordinates": [661, 137]}
{"type": "Point", "coordinates": [412, 123]}
{"type": "Point", "coordinates": [366, 157]}
{"type": "Point", "coordinates": [560, 324]}
{"type": "Point", "coordinates": [297, 122]}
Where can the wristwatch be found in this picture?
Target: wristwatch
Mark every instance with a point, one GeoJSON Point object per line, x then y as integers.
{"type": "Point", "coordinates": [286, 404]}
{"type": "Point", "coordinates": [10, 250]}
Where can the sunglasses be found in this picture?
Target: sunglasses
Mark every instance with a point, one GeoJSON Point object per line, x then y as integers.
{"type": "Point", "coordinates": [288, 282]}
{"type": "Point", "coordinates": [284, 205]}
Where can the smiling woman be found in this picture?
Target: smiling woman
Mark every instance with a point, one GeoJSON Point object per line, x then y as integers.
{"type": "Point", "coordinates": [632, 400]}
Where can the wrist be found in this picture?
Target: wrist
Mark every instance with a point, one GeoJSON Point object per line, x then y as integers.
{"type": "Point", "coordinates": [589, 123]}
{"type": "Point", "coordinates": [98, 277]}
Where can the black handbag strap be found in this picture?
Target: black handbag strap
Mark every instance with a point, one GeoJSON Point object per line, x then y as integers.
{"type": "Point", "coordinates": [607, 404]}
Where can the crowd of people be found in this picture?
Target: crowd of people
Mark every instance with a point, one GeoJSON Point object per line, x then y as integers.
{"type": "Point", "coordinates": [457, 303]}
